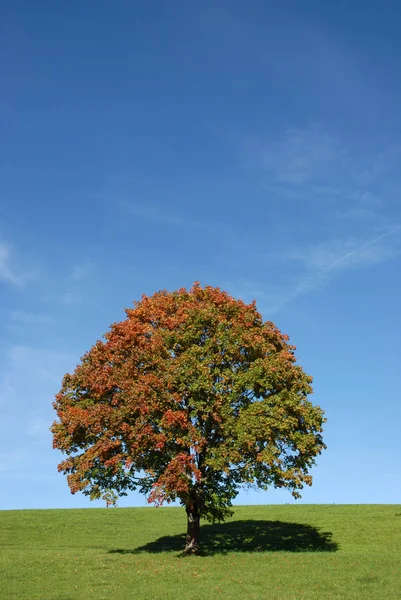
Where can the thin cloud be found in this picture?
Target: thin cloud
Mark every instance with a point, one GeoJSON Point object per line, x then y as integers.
{"type": "Point", "coordinates": [28, 367]}
{"type": "Point", "coordinates": [6, 272]}
{"type": "Point", "coordinates": [78, 275]}
{"type": "Point", "coordinates": [362, 256]}
{"type": "Point", "coordinates": [324, 263]}
{"type": "Point", "coordinates": [38, 427]}
{"type": "Point", "coordinates": [80, 272]}
{"type": "Point", "coordinates": [162, 217]}
{"type": "Point", "coordinates": [315, 269]}
{"type": "Point", "coordinates": [12, 460]}
{"type": "Point", "coordinates": [29, 378]}
{"type": "Point", "coordinates": [153, 214]}
{"type": "Point", "coordinates": [21, 317]}
{"type": "Point", "coordinates": [335, 190]}
{"type": "Point", "coordinates": [312, 164]}
{"type": "Point", "coordinates": [348, 253]}
{"type": "Point", "coordinates": [303, 156]}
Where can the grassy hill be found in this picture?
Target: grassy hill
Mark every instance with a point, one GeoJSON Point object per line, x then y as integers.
{"type": "Point", "coordinates": [263, 552]}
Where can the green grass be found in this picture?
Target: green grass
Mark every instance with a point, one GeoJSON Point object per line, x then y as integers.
{"type": "Point", "coordinates": [264, 552]}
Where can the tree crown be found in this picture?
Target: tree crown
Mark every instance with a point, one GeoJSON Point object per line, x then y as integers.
{"type": "Point", "coordinates": [190, 397]}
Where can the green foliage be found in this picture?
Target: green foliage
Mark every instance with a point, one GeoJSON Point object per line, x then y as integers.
{"type": "Point", "coordinates": [190, 397]}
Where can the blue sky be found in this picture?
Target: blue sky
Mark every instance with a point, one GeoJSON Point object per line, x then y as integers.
{"type": "Point", "coordinates": [254, 146]}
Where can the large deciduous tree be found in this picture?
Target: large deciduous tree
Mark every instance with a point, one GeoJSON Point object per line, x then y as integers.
{"type": "Point", "coordinates": [189, 398]}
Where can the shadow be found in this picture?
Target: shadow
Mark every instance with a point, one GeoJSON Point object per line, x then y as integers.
{"type": "Point", "coordinates": [246, 536]}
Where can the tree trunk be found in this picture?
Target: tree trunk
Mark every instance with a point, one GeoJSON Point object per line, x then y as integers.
{"type": "Point", "coordinates": [193, 530]}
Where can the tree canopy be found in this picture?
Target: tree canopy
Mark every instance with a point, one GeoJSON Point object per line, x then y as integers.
{"type": "Point", "coordinates": [189, 398]}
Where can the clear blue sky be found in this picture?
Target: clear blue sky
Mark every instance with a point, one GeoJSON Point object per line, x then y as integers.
{"type": "Point", "coordinates": [251, 145]}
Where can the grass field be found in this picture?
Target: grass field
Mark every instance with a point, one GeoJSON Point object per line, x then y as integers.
{"type": "Point", "coordinates": [263, 552]}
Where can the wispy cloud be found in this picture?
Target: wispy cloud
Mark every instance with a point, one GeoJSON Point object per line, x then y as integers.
{"type": "Point", "coordinates": [302, 156]}
{"type": "Point", "coordinates": [339, 202]}
{"type": "Point", "coordinates": [316, 165]}
{"type": "Point", "coordinates": [29, 378]}
{"type": "Point", "coordinates": [171, 218]}
{"type": "Point", "coordinates": [74, 290]}
{"type": "Point", "coordinates": [335, 255]}
{"type": "Point", "coordinates": [153, 214]}
{"type": "Point", "coordinates": [80, 272]}
{"type": "Point", "coordinates": [22, 317]}
{"type": "Point", "coordinates": [39, 426]}
{"type": "Point", "coordinates": [7, 274]}
{"type": "Point", "coordinates": [39, 362]}
{"type": "Point", "coordinates": [28, 371]}
{"type": "Point", "coordinates": [12, 460]}
{"type": "Point", "coordinates": [319, 265]}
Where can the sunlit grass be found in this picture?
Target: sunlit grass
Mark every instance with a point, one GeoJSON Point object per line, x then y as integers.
{"type": "Point", "coordinates": [264, 552]}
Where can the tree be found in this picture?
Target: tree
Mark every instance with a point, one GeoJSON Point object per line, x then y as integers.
{"type": "Point", "coordinates": [189, 398]}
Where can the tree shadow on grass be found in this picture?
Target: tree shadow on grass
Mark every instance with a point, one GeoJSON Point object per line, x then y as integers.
{"type": "Point", "coordinates": [246, 536]}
